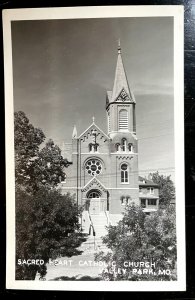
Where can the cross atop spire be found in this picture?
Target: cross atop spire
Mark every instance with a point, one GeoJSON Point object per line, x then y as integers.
{"type": "Point", "coordinates": [119, 46]}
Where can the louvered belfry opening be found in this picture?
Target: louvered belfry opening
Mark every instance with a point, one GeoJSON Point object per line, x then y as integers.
{"type": "Point", "coordinates": [123, 119]}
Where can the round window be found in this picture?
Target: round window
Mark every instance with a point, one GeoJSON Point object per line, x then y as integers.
{"type": "Point", "coordinates": [93, 167]}
{"type": "Point", "coordinates": [124, 167]}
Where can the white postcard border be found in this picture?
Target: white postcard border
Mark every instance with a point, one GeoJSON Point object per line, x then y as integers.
{"type": "Point", "coordinates": [177, 12]}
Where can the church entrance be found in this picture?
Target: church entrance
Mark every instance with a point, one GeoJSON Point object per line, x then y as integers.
{"type": "Point", "coordinates": [94, 202]}
{"type": "Point", "coordinates": [94, 207]}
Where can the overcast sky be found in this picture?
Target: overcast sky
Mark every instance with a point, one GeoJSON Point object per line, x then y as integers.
{"type": "Point", "coordinates": [63, 68]}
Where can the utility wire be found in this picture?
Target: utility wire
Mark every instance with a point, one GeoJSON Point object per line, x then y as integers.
{"type": "Point", "coordinates": [162, 170]}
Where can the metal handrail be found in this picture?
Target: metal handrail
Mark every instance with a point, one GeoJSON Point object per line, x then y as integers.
{"type": "Point", "coordinates": [91, 223]}
{"type": "Point", "coordinates": [94, 233]}
{"type": "Point", "coordinates": [108, 218]}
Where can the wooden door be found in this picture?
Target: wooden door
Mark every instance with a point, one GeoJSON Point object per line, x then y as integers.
{"type": "Point", "coordinates": [94, 207]}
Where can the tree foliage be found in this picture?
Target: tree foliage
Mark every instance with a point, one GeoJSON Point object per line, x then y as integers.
{"type": "Point", "coordinates": [47, 224]}
{"type": "Point", "coordinates": [27, 140]}
{"type": "Point", "coordinates": [35, 168]}
{"type": "Point", "coordinates": [141, 238]}
{"type": "Point", "coordinates": [48, 168]}
{"type": "Point", "coordinates": [166, 188]}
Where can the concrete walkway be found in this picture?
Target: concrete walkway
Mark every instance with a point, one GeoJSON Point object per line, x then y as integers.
{"type": "Point", "coordinates": [79, 267]}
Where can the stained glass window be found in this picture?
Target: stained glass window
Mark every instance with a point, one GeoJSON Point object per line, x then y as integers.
{"type": "Point", "coordinates": [93, 167]}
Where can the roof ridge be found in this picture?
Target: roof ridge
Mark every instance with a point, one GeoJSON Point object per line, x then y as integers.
{"type": "Point", "coordinates": [94, 124]}
{"type": "Point", "coordinates": [93, 179]}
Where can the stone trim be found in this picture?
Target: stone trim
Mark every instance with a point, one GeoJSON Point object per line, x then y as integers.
{"type": "Point", "coordinates": [124, 157]}
{"type": "Point", "coordinates": [93, 181]}
{"type": "Point", "coordinates": [85, 134]}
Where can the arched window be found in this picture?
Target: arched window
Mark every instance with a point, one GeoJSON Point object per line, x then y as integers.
{"type": "Point", "coordinates": [117, 147]}
{"type": "Point", "coordinates": [94, 194]}
{"type": "Point", "coordinates": [124, 145]}
{"type": "Point", "coordinates": [130, 147]}
{"type": "Point", "coordinates": [93, 147]}
{"type": "Point", "coordinates": [125, 200]}
{"type": "Point", "coordinates": [124, 173]}
{"type": "Point", "coordinates": [128, 199]}
{"type": "Point", "coordinates": [91, 194]}
{"type": "Point", "coordinates": [96, 147]}
{"type": "Point", "coordinates": [123, 119]}
{"type": "Point", "coordinates": [122, 200]}
{"type": "Point", "coordinates": [90, 147]}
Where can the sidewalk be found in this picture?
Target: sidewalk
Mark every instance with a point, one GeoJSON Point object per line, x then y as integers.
{"type": "Point", "coordinates": [79, 267]}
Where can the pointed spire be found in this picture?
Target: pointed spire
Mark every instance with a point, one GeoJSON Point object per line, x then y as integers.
{"type": "Point", "coordinates": [93, 119]}
{"type": "Point", "coordinates": [120, 81]}
{"type": "Point", "coordinates": [74, 133]}
{"type": "Point", "coordinates": [119, 46]}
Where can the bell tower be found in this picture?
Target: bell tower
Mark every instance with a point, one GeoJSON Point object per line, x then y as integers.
{"type": "Point", "coordinates": [120, 102]}
{"type": "Point", "coordinates": [120, 107]}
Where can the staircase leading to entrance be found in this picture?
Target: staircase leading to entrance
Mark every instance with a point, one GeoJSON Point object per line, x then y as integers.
{"type": "Point", "coordinates": [99, 222]}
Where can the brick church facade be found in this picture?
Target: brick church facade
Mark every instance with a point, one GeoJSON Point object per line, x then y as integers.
{"type": "Point", "coordinates": [104, 173]}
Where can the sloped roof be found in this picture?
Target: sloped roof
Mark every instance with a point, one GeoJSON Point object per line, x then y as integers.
{"type": "Point", "coordinates": [92, 182]}
{"type": "Point", "coordinates": [94, 126]}
{"type": "Point", "coordinates": [146, 182]}
{"type": "Point", "coordinates": [120, 81]}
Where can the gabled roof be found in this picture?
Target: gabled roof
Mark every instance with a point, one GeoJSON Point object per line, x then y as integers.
{"type": "Point", "coordinates": [146, 182]}
{"type": "Point", "coordinates": [91, 127]}
{"type": "Point", "coordinates": [108, 96]}
{"type": "Point", "coordinates": [92, 182]}
{"type": "Point", "coordinates": [120, 81]}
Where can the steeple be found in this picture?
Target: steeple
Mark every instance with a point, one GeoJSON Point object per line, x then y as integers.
{"type": "Point", "coordinates": [121, 90]}
{"type": "Point", "coordinates": [120, 102]}
{"type": "Point", "coordinates": [74, 133]}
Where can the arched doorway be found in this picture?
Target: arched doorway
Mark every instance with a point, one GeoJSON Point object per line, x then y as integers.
{"type": "Point", "coordinates": [93, 203]}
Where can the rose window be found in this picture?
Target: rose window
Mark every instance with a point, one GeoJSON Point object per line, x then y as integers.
{"type": "Point", "coordinates": [93, 167]}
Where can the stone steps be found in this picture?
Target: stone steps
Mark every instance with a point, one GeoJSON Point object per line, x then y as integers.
{"type": "Point", "coordinates": [99, 222]}
{"type": "Point", "coordinates": [99, 225]}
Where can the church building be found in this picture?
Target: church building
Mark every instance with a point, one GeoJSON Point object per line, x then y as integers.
{"type": "Point", "coordinates": [104, 173]}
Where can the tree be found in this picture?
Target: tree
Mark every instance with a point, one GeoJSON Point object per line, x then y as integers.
{"type": "Point", "coordinates": [27, 140]}
{"type": "Point", "coordinates": [34, 167]}
{"type": "Point", "coordinates": [47, 224]}
{"type": "Point", "coordinates": [141, 238]}
{"type": "Point", "coordinates": [166, 188]}
{"type": "Point", "coordinates": [48, 167]}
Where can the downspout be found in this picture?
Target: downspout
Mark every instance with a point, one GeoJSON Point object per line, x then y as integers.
{"type": "Point", "coordinates": [80, 180]}
{"type": "Point", "coordinates": [77, 175]}
{"type": "Point", "coordinates": [116, 171]}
